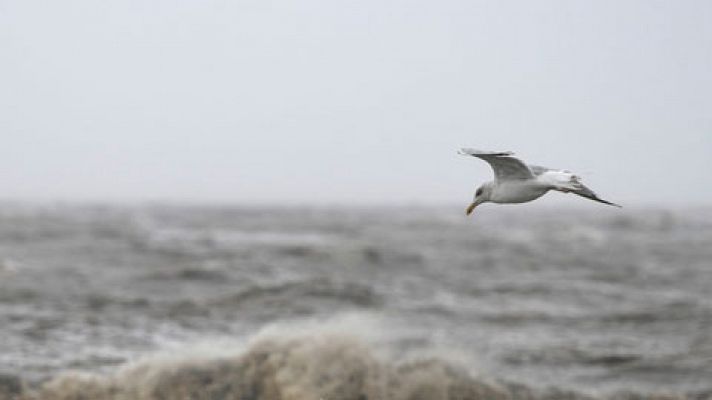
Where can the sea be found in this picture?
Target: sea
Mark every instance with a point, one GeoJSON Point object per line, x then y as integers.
{"type": "Point", "coordinates": [159, 301]}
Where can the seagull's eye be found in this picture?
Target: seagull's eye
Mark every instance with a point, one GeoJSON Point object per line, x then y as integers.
{"type": "Point", "coordinates": [478, 192]}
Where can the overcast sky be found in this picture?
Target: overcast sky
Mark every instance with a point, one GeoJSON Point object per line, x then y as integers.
{"type": "Point", "coordinates": [350, 101]}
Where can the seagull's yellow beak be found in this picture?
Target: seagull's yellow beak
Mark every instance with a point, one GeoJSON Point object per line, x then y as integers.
{"type": "Point", "coordinates": [475, 202]}
{"type": "Point", "coordinates": [471, 208]}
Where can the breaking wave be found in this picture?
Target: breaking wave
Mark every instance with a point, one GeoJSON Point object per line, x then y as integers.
{"type": "Point", "coordinates": [294, 363]}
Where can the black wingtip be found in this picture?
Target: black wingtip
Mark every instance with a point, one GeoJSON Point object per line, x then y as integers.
{"type": "Point", "coordinates": [607, 202]}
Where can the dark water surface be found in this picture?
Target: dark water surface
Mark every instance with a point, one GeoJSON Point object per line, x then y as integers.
{"type": "Point", "coordinates": [594, 300]}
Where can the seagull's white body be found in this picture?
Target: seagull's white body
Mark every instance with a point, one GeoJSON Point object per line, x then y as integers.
{"type": "Point", "coordinates": [517, 182]}
{"type": "Point", "coordinates": [516, 192]}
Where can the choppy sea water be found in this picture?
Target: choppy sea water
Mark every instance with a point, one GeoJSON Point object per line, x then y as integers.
{"type": "Point", "coordinates": [348, 303]}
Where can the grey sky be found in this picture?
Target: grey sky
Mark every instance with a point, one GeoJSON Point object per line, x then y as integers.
{"type": "Point", "coordinates": [350, 101]}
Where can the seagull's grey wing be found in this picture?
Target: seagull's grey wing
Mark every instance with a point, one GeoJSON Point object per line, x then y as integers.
{"type": "Point", "coordinates": [505, 167]}
{"type": "Point", "coordinates": [538, 170]}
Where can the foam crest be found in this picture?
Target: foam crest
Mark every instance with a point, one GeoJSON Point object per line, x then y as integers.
{"type": "Point", "coordinates": [293, 362]}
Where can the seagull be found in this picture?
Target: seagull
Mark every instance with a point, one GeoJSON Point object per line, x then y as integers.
{"type": "Point", "coordinates": [517, 182]}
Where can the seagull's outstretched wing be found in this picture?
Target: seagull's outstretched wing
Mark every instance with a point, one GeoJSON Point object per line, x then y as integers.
{"type": "Point", "coordinates": [505, 167]}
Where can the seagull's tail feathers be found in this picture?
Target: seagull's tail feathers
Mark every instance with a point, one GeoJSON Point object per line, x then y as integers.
{"type": "Point", "coordinates": [567, 182]}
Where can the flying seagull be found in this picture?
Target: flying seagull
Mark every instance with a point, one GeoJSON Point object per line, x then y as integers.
{"type": "Point", "coordinates": [517, 182]}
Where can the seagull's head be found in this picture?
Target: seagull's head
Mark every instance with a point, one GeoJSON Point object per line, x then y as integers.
{"type": "Point", "coordinates": [482, 195]}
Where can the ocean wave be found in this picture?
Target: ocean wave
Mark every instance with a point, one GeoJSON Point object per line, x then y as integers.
{"type": "Point", "coordinates": [320, 288]}
{"type": "Point", "coordinates": [192, 273]}
{"type": "Point", "coordinates": [581, 301]}
{"type": "Point", "coordinates": [262, 302]}
{"type": "Point", "coordinates": [295, 363]}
